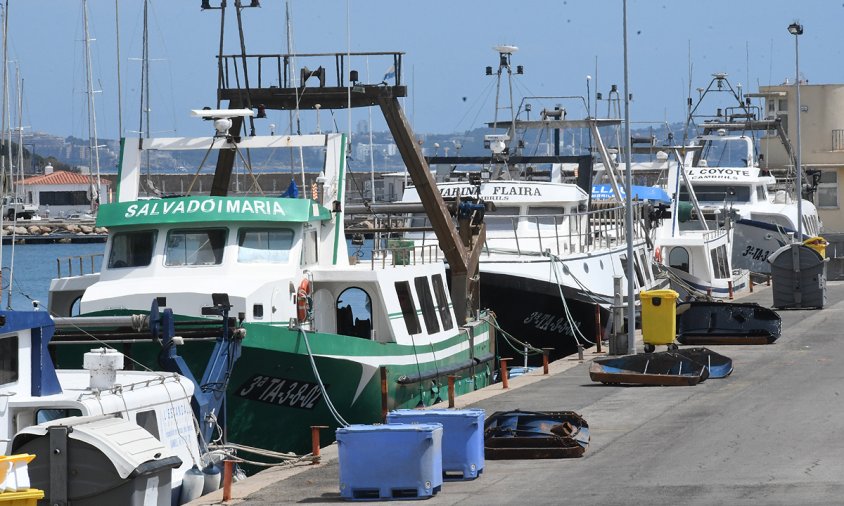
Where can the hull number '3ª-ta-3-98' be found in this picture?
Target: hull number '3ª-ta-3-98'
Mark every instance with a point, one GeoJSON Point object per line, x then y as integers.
{"type": "Point", "coordinates": [280, 391]}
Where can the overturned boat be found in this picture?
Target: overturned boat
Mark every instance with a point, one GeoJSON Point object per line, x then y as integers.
{"type": "Point", "coordinates": [535, 435]}
{"type": "Point", "coordinates": [704, 322]}
{"type": "Point", "coordinates": [665, 368]}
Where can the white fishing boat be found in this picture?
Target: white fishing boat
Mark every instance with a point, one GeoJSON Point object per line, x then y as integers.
{"type": "Point", "coordinates": [765, 220]}
{"type": "Point", "coordinates": [549, 259]}
{"type": "Point", "coordinates": [326, 332]}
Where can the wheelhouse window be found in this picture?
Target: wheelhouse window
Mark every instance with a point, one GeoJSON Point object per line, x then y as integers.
{"type": "Point", "coordinates": [8, 359]}
{"type": "Point", "coordinates": [264, 245]}
{"type": "Point", "coordinates": [678, 258]}
{"type": "Point", "coordinates": [195, 247]}
{"type": "Point", "coordinates": [131, 249]}
{"type": "Point", "coordinates": [442, 302]}
{"type": "Point", "coordinates": [408, 308]}
{"type": "Point", "coordinates": [717, 193]}
{"type": "Point", "coordinates": [429, 314]}
{"type": "Point", "coordinates": [502, 218]}
{"type": "Point", "coordinates": [545, 215]}
{"type": "Point", "coordinates": [354, 313]}
{"type": "Point", "coordinates": [720, 262]}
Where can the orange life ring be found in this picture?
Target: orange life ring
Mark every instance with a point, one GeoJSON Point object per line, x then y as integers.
{"type": "Point", "coordinates": [303, 296]}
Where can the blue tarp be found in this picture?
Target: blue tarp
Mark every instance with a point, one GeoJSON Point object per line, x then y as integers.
{"type": "Point", "coordinates": [604, 191]}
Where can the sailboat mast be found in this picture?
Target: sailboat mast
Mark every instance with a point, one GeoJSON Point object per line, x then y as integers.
{"type": "Point", "coordinates": [15, 197]}
{"type": "Point", "coordinates": [119, 94]}
{"type": "Point", "coordinates": [93, 142]}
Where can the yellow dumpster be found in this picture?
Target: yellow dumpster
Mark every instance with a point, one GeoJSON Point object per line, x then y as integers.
{"type": "Point", "coordinates": [659, 318]}
{"type": "Point", "coordinates": [26, 497]}
{"type": "Point", "coordinates": [818, 244]}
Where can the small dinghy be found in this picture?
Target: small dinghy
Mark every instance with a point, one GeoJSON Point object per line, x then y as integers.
{"type": "Point", "coordinates": [718, 365]}
{"type": "Point", "coordinates": [702, 322]}
{"type": "Point", "coordinates": [535, 435]}
{"type": "Point", "coordinates": [665, 368]}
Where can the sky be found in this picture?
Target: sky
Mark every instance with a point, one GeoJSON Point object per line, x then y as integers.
{"type": "Point", "coordinates": [447, 45]}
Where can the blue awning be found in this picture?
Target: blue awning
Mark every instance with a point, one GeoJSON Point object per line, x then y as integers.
{"type": "Point", "coordinates": [653, 193]}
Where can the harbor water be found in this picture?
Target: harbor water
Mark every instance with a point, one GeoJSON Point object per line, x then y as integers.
{"type": "Point", "coordinates": [35, 265]}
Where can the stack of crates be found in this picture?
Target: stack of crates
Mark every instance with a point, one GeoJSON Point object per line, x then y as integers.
{"type": "Point", "coordinates": [463, 438]}
{"type": "Point", "coordinates": [392, 461]}
{"type": "Point", "coordinates": [14, 482]}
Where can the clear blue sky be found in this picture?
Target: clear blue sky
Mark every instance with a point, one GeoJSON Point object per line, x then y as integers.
{"type": "Point", "coordinates": [447, 46]}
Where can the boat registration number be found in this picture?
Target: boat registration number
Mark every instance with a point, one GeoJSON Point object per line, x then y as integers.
{"type": "Point", "coordinates": [280, 391]}
{"type": "Point", "coordinates": [756, 253]}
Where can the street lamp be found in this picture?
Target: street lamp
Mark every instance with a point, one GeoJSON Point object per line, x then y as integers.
{"type": "Point", "coordinates": [796, 29]}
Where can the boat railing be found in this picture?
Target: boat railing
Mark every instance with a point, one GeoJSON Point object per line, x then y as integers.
{"type": "Point", "coordinates": [278, 70]}
{"type": "Point", "coordinates": [580, 232]}
{"type": "Point", "coordinates": [77, 265]}
{"type": "Point", "coordinates": [404, 253]}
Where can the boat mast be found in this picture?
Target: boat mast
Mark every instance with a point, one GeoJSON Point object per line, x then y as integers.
{"type": "Point", "coordinates": [119, 94]}
{"type": "Point", "coordinates": [17, 198]}
{"type": "Point", "coordinates": [4, 184]}
{"type": "Point", "coordinates": [93, 142]}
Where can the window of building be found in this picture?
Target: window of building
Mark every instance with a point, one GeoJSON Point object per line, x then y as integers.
{"type": "Point", "coordinates": [8, 359]}
{"type": "Point", "coordinates": [678, 258]}
{"type": "Point", "coordinates": [782, 104]}
{"type": "Point", "coordinates": [828, 189]}
{"type": "Point", "coordinates": [264, 245]}
{"type": "Point", "coordinates": [64, 198]}
{"type": "Point", "coordinates": [195, 247]}
{"type": "Point", "coordinates": [429, 314]}
{"type": "Point", "coordinates": [408, 308]}
{"type": "Point", "coordinates": [131, 249]}
{"type": "Point", "coordinates": [354, 313]}
{"type": "Point", "coordinates": [442, 302]}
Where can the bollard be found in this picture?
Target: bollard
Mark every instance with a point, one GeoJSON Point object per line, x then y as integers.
{"type": "Point", "coordinates": [504, 379]}
{"type": "Point", "coordinates": [768, 282]}
{"type": "Point", "coordinates": [709, 293]}
{"type": "Point", "coordinates": [227, 480]}
{"type": "Point", "coordinates": [750, 283]}
{"type": "Point", "coordinates": [598, 335]}
{"type": "Point", "coordinates": [384, 397]}
{"type": "Point", "coordinates": [730, 288]}
{"type": "Point", "coordinates": [315, 442]}
{"type": "Point", "coordinates": [580, 352]}
{"type": "Point", "coordinates": [546, 352]}
{"type": "Point", "coordinates": [451, 378]}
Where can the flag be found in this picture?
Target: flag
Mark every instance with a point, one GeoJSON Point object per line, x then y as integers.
{"type": "Point", "coordinates": [391, 73]}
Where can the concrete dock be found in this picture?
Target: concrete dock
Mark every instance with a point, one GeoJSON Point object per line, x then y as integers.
{"type": "Point", "coordinates": [771, 433]}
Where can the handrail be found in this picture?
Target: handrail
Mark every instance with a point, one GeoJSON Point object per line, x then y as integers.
{"type": "Point", "coordinates": [82, 260]}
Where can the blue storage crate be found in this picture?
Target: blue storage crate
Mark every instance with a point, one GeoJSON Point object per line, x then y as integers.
{"type": "Point", "coordinates": [391, 461]}
{"type": "Point", "coordinates": [463, 437]}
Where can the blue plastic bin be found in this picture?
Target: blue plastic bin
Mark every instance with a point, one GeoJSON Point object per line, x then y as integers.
{"type": "Point", "coordinates": [463, 437]}
{"type": "Point", "coordinates": [391, 461]}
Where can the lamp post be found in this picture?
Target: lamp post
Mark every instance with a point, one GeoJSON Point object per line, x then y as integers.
{"type": "Point", "coordinates": [796, 29]}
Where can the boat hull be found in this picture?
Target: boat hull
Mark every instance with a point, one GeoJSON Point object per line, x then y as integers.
{"type": "Point", "coordinates": [274, 395]}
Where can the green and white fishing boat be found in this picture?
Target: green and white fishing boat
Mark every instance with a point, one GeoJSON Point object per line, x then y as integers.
{"type": "Point", "coordinates": [325, 333]}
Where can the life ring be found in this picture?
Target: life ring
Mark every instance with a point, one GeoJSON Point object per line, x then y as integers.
{"type": "Point", "coordinates": [303, 300]}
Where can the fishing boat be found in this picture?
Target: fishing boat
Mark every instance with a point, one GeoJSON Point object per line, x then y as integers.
{"type": "Point", "coordinates": [551, 252]}
{"type": "Point", "coordinates": [331, 340]}
{"type": "Point", "coordinates": [728, 181]}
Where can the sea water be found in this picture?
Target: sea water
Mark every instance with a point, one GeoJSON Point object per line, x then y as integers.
{"type": "Point", "coordinates": [34, 265]}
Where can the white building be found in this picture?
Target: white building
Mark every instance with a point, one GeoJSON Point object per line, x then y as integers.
{"type": "Point", "coordinates": [60, 193]}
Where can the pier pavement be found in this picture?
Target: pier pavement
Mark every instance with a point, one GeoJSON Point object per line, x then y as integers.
{"type": "Point", "coordinates": [771, 433]}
